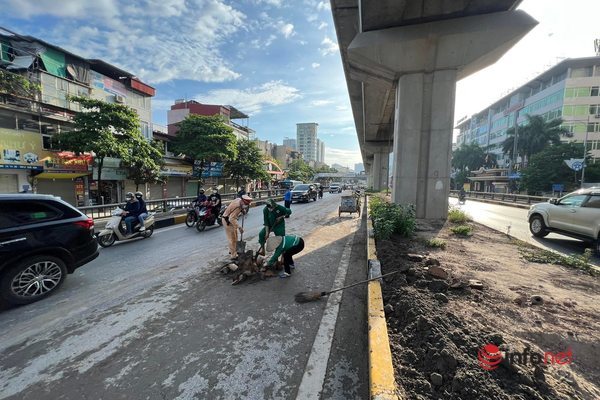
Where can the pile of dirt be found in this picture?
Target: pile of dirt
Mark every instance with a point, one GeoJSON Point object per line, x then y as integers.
{"type": "Point", "coordinates": [443, 308]}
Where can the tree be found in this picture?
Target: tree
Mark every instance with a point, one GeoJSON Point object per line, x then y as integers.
{"type": "Point", "coordinates": [468, 157]}
{"type": "Point", "coordinates": [106, 129]}
{"type": "Point", "coordinates": [205, 139]}
{"type": "Point", "coordinates": [247, 164]}
{"type": "Point", "coordinates": [146, 162]}
{"type": "Point", "coordinates": [533, 137]}
{"type": "Point", "coordinates": [326, 169]}
{"type": "Point", "coordinates": [300, 170]}
{"type": "Point", "coordinates": [547, 167]}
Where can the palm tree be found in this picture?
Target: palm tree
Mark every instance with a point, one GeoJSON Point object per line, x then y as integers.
{"type": "Point", "coordinates": [534, 136]}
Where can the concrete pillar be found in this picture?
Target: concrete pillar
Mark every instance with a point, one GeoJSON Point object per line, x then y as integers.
{"type": "Point", "coordinates": [423, 141]}
{"type": "Point", "coordinates": [380, 167]}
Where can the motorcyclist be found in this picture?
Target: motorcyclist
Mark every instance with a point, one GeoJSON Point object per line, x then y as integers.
{"type": "Point", "coordinates": [215, 201]}
{"type": "Point", "coordinates": [320, 191]}
{"type": "Point", "coordinates": [462, 194]}
{"type": "Point", "coordinates": [143, 210]}
{"type": "Point", "coordinates": [201, 199]}
{"type": "Point", "coordinates": [132, 210]}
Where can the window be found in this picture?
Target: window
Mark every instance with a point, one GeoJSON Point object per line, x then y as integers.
{"type": "Point", "coordinates": [594, 91]}
{"type": "Point", "coordinates": [581, 72]}
{"type": "Point", "coordinates": [593, 202]}
{"type": "Point", "coordinates": [572, 201]}
{"type": "Point", "coordinates": [15, 213]}
{"type": "Point", "coordinates": [47, 142]}
{"type": "Point", "coordinates": [28, 123]}
{"type": "Point", "coordinates": [8, 120]}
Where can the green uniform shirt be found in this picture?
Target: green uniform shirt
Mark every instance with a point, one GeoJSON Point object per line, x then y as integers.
{"type": "Point", "coordinates": [271, 216]}
{"type": "Point", "coordinates": [286, 243]}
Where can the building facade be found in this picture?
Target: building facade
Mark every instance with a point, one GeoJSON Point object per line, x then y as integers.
{"type": "Point", "coordinates": [29, 118]}
{"type": "Point", "coordinates": [181, 109]}
{"type": "Point", "coordinates": [291, 143]}
{"type": "Point", "coordinates": [570, 90]}
{"type": "Point", "coordinates": [306, 140]}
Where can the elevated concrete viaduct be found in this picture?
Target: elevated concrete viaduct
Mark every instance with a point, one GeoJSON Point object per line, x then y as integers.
{"type": "Point", "coordinates": [402, 59]}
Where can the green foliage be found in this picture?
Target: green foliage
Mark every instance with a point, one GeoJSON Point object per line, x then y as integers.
{"type": "Point", "coordinates": [390, 218]}
{"type": "Point", "coordinates": [436, 243]}
{"type": "Point", "coordinates": [247, 164]}
{"type": "Point", "coordinates": [457, 216]}
{"type": "Point", "coordinates": [470, 157]}
{"type": "Point", "coordinates": [18, 85]}
{"type": "Point", "coordinates": [548, 167]}
{"type": "Point", "coordinates": [326, 169]}
{"type": "Point", "coordinates": [205, 138]}
{"type": "Point", "coordinates": [575, 261]}
{"type": "Point", "coordinates": [533, 137]}
{"type": "Point", "coordinates": [462, 230]}
{"type": "Point", "coordinates": [460, 178]}
{"type": "Point", "coordinates": [108, 130]}
{"type": "Point", "coordinates": [146, 162]}
{"type": "Point", "coordinates": [301, 171]}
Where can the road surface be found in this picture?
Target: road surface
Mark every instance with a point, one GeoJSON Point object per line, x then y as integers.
{"type": "Point", "coordinates": [153, 319]}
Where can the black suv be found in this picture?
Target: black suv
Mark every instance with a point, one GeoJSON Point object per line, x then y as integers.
{"type": "Point", "coordinates": [42, 239]}
{"type": "Point", "coordinates": [304, 192]}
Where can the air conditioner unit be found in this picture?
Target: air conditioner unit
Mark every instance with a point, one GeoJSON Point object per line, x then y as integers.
{"type": "Point", "coordinates": [119, 99]}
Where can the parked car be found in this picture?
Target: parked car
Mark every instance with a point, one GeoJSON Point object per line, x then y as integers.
{"type": "Point", "coordinates": [575, 215]}
{"type": "Point", "coordinates": [335, 188]}
{"type": "Point", "coordinates": [304, 193]}
{"type": "Point", "coordinates": [42, 239]}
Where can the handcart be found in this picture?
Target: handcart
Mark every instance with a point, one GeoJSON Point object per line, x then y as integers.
{"type": "Point", "coordinates": [349, 204]}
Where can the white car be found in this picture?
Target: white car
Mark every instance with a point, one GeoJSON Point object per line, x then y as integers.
{"type": "Point", "coordinates": [576, 215]}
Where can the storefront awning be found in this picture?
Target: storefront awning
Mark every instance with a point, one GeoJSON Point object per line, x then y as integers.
{"type": "Point", "coordinates": [61, 175]}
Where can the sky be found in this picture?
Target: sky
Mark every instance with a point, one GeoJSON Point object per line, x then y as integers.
{"type": "Point", "coordinates": [276, 60]}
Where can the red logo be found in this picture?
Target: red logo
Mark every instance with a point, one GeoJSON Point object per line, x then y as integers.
{"type": "Point", "coordinates": [489, 357]}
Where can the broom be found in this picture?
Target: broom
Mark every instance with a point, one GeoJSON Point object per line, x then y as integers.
{"type": "Point", "coordinates": [306, 297]}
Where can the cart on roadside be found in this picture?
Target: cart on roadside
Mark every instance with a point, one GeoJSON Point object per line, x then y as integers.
{"type": "Point", "coordinates": [349, 204]}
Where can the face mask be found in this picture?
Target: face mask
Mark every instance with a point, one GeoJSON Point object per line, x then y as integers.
{"type": "Point", "coordinates": [214, 192]}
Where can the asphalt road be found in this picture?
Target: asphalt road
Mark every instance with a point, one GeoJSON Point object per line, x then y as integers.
{"type": "Point", "coordinates": [513, 221]}
{"type": "Point", "coordinates": [153, 319]}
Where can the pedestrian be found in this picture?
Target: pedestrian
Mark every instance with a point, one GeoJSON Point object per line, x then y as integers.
{"type": "Point", "coordinates": [143, 210]}
{"type": "Point", "coordinates": [287, 199]}
{"type": "Point", "coordinates": [273, 221]}
{"type": "Point", "coordinates": [286, 246]}
{"type": "Point", "coordinates": [132, 210]}
{"type": "Point", "coordinates": [230, 216]}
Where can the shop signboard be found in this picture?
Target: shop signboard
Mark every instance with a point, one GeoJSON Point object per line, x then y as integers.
{"type": "Point", "coordinates": [66, 161]}
{"type": "Point", "coordinates": [21, 149]}
{"type": "Point", "coordinates": [213, 170]}
{"type": "Point", "coordinates": [176, 170]}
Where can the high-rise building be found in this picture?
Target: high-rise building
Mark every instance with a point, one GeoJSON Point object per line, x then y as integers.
{"type": "Point", "coordinates": [321, 157]}
{"type": "Point", "coordinates": [291, 143]}
{"type": "Point", "coordinates": [306, 140]}
{"type": "Point", "coordinates": [570, 90]}
{"type": "Point", "coordinates": [358, 168]}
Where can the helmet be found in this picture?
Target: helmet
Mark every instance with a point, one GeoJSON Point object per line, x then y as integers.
{"type": "Point", "coordinates": [201, 191]}
{"type": "Point", "coordinates": [215, 189]}
{"type": "Point", "coordinates": [139, 194]}
{"type": "Point", "coordinates": [129, 195]}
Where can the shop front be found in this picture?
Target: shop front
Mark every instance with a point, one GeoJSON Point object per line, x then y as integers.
{"type": "Point", "coordinates": [65, 175]}
{"type": "Point", "coordinates": [21, 154]}
{"type": "Point", "coordinates": [112, 184]}
{"type": "Point", "coordinates": [176, 177]}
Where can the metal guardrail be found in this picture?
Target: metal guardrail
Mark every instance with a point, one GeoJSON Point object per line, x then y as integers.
{"type": "Point", "coordinates": [167, 205]}
{"type": "Point", "coordinates": [504, 197]}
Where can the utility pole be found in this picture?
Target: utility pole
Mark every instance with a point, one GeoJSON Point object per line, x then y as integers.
{"type": "Point", "coordinates": [585, 149]}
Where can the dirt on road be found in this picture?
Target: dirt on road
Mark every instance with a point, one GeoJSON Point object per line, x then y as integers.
{"type": "Point", "coordinates": [448, 303]}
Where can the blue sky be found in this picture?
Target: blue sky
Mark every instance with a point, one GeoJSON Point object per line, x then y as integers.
{"type": "Point", "coordinates": [276, 60]}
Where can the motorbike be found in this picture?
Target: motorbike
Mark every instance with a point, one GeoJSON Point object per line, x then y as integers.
{"type": "Point", "coordinates": [115, 231]}
{"type": "Point", "coordinates": [462, 199]}
{"type": "Point", "coordinates": [206, 217]}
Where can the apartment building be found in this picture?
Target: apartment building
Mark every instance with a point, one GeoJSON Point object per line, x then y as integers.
{"type": "Point", "coordinates": [306, 140]}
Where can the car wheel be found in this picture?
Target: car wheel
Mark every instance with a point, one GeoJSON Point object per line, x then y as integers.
{"type": "Point", "coordinates": [107, 240]}
{"type": "Point", "coordinates": [537, 227]}
{"type": "Point", "coordinates": [200, 226]}
{"type": "Point", "coordinates": [149, 231]}
{"type": "Point", "coordinates": [32, 279]}
{"type": "Point", "coordinates": [190, 220]}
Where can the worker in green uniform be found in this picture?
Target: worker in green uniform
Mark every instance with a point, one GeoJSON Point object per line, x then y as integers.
{"type": "Point", "coordinates": [286, 246]}
{"type": "Point", "coordinates": [274, 222]}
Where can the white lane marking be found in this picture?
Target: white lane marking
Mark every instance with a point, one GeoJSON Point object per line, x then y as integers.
{"type": "Point", "coordinates": [316, 367]}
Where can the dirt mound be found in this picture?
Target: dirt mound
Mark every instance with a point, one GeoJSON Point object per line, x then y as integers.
{"type": "Point", "coordinates": [437, 326]}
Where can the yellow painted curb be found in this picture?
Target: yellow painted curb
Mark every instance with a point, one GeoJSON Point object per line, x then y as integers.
{"type": "Point", "coordinates": [179, 219]}
{"type": "Point", "coordinates": [382, 384]}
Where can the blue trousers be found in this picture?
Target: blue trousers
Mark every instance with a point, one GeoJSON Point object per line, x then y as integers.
{"type": "Point", "coordinates": [128, 222]}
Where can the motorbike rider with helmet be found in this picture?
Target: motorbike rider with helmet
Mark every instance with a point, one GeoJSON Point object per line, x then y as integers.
{"type": "Point", "coordinates": [132, 210]}
{"type": "Point", "coordinates": [143, 210]}
{"type": "Point", "coordinates": [215, 201]}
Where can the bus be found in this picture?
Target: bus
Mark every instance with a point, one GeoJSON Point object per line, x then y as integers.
{"type": "Point", "coordinates": [289, 184]}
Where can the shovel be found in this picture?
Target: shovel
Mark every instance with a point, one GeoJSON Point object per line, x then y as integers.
{"type": "Point", "coordinates": [241, 245]}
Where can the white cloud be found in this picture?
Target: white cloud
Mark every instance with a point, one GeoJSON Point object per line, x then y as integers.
{"type": "Point", "coordinates": [312, 17]}
{"type": "Point", "coordinates": [328, 46]}
{"type": "Point", "coordinates": [286, 29]}
{"type": "Point", "coordinates": [276, 3]}
{"type": "Point", "coordinates": [323, 5]}
{"type": "Point", "coordinates": [315, 65]}
{"type": "Point", "coordinates": [303, 42]}
{"type": "Point", "coordinates": [323, 25]}
{"type": "Point", "coordinates": [253, 100]}
{"type": "Point", "coordinates": [342, 108]}
{"type": "Point", "coordinates": [343, 157]}
{"type": "Point", "coordinates": [319, 103]}
{"type": "Point", "coordinates": [157, 40]}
